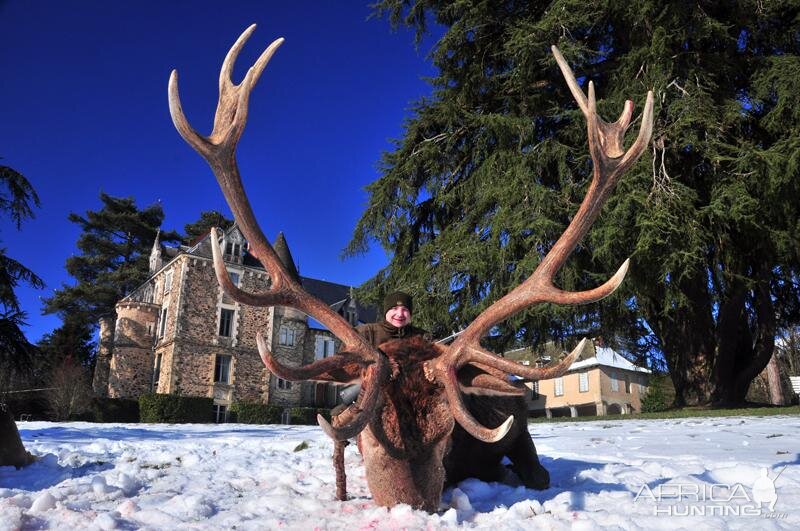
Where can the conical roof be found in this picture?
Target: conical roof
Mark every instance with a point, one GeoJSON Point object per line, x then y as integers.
{"type": "Point", "coordinates": [285, 256]}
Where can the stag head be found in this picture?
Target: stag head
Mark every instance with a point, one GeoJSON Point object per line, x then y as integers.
{"type": "Point", "coordinates": [412, 390]}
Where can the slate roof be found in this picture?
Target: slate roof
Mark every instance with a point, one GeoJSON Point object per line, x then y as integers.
{"type": "Point", "coordinates": [333, 294]}
{"type": "Point", "coordinates": [336, 296]}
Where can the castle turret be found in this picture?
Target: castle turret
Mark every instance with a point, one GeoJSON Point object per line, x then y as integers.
{"type": "Point", "coordinates": [155, 255]}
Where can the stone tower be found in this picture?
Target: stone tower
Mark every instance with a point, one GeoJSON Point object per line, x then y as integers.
{"type": "Point", "coordinates": [131, 367]}
{"type": "Point", "coordinates": [289, 330]}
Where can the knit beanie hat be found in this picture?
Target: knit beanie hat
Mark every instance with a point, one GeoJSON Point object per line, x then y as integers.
{"type": "Point", "coordinates": [398, 298]}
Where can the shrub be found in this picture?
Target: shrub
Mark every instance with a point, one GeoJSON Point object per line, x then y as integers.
{"type": "Point", "coordinates": [115, 410]}
{"type": "Point", "coordinates": [255, 413]}
{"type": "Point", "coordinates": [175, 408]}
{"type": "Point", "coordinates": [307, 415]}
{"type": "Point", "coordinates": [658, 396]}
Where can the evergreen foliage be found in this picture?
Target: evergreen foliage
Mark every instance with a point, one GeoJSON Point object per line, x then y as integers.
{"type": "Point", "coordinates": [176, 408]}
{"type": "Point", "coordinates": [73, 339]}
{"type": "Point", "coordinates": [493, 165]}
{"type": "Point", "coordinates": [17, 201]}
{"type": "Point", "coordinates": [208, 219]}
{"type": "Point", "coordinates": [659, 396]}
{"type": "Point", "coordinates": [115, 244]}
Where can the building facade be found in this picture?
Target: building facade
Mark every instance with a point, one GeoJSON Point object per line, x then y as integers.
{"type": "Point", "coordinates": [179, 333]}
{"type": "Point", "coordinates": [600, 382]}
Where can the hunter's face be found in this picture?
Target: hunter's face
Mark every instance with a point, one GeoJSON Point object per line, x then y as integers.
{"type": "Point", "coordinates": [398, 316]}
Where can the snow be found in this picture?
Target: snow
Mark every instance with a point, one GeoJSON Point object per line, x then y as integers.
{"type": "Point", "coordinates": [632, 474]}
{"type": "Point", "coordinates": [608, 357]}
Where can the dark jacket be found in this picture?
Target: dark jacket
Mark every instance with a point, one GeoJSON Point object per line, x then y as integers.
{"type": "Point", "coordinates": [381, 332]}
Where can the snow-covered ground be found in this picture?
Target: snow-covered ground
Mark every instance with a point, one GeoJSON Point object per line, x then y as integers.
{"type": "Point", "coordinates": [634, 474]}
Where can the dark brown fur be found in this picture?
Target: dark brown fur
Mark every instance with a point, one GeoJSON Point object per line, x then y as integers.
{"type": "Point", "coordinates": [407, 446]}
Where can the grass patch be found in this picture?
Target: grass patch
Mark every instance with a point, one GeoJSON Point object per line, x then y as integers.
{"type": "Point", "coordinates": [688, 412]}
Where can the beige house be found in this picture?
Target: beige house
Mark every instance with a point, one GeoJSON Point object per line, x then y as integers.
{"type": "Point", "coordinates": [179, 333]}
{"type": "Point", "coordinates": [601, 382]}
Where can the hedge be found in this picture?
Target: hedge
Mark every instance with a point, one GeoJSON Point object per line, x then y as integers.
{"type": "Point", "coordinates": [256, 413]}
{"type": "Point", "coordinates": [115, 410]}
{"type": "Point", "coordinates": [176, 409]}
{"type": "Point", "coordinates": [307, 415]}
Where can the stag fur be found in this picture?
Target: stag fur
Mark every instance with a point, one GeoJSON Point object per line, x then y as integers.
{"type": "Point", "coordinates": [412, 447]}
{"type": "Point", "coordinates": [413, 392]}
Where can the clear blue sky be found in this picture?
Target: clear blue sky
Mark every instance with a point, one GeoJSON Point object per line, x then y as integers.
{"type": "Point", "coordinates": [84, 109]}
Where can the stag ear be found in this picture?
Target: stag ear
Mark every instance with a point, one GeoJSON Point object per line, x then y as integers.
{"type": "Point", "coordinates": [474, 380]}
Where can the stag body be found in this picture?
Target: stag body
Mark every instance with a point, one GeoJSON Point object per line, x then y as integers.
{"type": "Point", "coordinates": [412, 447]}
{"type": "Point", "coordinates": [413, 392]}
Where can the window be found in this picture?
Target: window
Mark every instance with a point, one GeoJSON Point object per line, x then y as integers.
{"type": "Point", "coordinates": [627, 384]}
{"type": "Point", "coordinates": [222, 369]}
{"type": "Point", "coordinates": [286, 337]}
{"type": "Point", "coordinates": [286, 417]}
{"type": "Point", "coordinates": [167, 281]}
{"type": "Point", "coordinates": [162, 325]}
{"type": "Point", "coordinates": [535, 390]}
{"type": "Point", "coordinates": [559, 383]}
{"type": "Point", "coordinates": [225, 322]}
{"type": "Point", "coordinates": [156, 374]}
{"type": "Point", "coordinates": [614, 382]}
{"type": "Point", "coordinates": [151, 327]}
{"type": "Point", "coordinates": [323, 347]}
{"type": "Point", "coordinates": [234, 278]}
{"type": "Point", "coordinates": [284, 384]}
{"type": "Point", "coordinates": [583, 382]}
{"type": "Point", "coordinates": [233, 250]}
{"type": "Point", "coordinates": [220, 413]}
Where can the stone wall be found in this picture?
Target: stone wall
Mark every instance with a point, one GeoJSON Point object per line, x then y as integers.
{"type": "Point", "coordinates": [102, 366]}
{"type": "Point", "coordinates": [131, 367]}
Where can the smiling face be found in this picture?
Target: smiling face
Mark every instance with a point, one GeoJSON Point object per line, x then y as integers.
{"type": "Point", "coordinates": [398, 316]}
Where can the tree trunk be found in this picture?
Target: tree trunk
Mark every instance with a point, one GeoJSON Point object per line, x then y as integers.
{"type": "Point", "coordinates": [776, 396]}
{"type": "Point", "coordinates": [746, 343]}
{"type": "Point", "coordinates": [12, 452]}
{"type": "Point", "coordinates": [688, 342]}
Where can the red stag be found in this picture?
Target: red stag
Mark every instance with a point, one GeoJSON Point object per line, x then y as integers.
{"type": "Point", "coordinates": [414, 426]}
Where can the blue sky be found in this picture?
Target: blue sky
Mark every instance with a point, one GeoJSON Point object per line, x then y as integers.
{"type": "Point", "coordinates": [84, 109]}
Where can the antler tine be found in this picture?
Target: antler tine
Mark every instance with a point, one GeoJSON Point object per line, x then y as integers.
{"type": "Point", "coordinates": [462, 415]}
{"type": "Point", "coordinates": [362, 412]}
{"type": "Point", "coordinates": [359, 413]}
{"type": "Point", "coordinates": [226, 72]}
{"type": "Point", "coordinates": [611, 134]}
{"type": "Point", "coordinates": [270, 298]}
{"type": "Point", "coordinates": [187, 132]}
{"type": "Point", "coordinates": [319, 370]}
{"type": "Point", "coordinates": [446, 373]}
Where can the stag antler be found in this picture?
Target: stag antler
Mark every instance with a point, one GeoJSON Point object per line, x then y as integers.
{"type": "Point", "coordinates": [219, 150]}
{"type": "Point", "coordinates": [606, 142]}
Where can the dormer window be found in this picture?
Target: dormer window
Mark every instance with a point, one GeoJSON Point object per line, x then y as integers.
{"type": "Point", "coordinates": [233, 247]}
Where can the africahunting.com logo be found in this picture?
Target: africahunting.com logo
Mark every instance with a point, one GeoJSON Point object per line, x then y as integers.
{"type": "Point", "coordinates": [717, 499]}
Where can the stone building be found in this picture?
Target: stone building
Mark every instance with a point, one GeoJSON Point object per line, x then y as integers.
{"type": "Point", "coordinates": [178, 333]}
